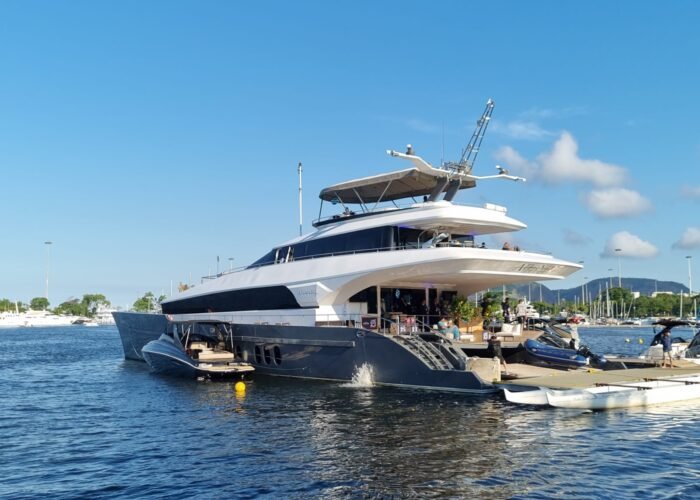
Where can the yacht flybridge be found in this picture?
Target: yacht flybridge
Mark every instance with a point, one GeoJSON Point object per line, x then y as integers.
{"type": "Point", "coordinates": [358, 289]}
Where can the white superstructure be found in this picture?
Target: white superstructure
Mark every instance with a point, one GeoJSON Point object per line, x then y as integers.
{"type": "Point", "coordinates": [430, 245]}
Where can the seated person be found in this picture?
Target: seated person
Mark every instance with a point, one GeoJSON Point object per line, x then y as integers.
{"type": "Point", "coordinates": [506, 246]}
{"type": "Point", "coordinates": [455, 332]}
{"type": "Point", "coordinates": [442, 326]}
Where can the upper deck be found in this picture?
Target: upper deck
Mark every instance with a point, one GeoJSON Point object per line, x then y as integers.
{"type": "Point", "coordinates": [422, 180]}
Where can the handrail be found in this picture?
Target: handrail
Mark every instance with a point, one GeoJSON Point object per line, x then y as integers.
{"type": "Point", "coordinates": [383, 249]}
{"type": "Point", "coordinates": [403, 206]}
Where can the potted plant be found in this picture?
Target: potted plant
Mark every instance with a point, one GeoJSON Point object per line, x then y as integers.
{"type": "Point", "coordinates": [462, 311]}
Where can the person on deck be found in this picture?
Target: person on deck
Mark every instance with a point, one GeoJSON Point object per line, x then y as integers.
{"type": "Point", "coordinates": [521, 311]}
{"type": "Point", "coordinates": [506, 246]}
{"type": "Point", "coordinates": [485, 302]}
{"type": "Point", "coordinates": [666, 342]}
{"type": "Point", "coordinates": [424, 313]}
{"type": "Point", "coordinates": [494, 351]}
{"type": "Point", "coordinates": [505, 306]}
{"type": "Point", "coordinates": [435, 311]}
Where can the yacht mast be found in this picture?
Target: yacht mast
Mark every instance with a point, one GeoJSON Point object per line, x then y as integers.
{"type": "Point", "coordinates": [299, 169]}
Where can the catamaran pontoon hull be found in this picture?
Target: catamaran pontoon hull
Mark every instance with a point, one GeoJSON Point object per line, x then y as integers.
{"type": "Point", "coordinates": [326, 353]}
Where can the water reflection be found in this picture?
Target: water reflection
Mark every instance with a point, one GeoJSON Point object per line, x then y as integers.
{"type": "Point", "coordinates": [90, 424]}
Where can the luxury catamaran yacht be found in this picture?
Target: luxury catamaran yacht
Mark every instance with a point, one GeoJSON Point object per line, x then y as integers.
{"type": "Point", "coordinates": [327, 303]}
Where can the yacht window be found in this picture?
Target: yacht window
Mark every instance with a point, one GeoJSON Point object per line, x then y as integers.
{"type": "Point", "coordinates": [268, 356]}
{"type": "Point", "coordinates": [258, 355]}
{"type": "Point", "coordinates": [367, 240]}
{"type": "Point", "coordinates": [465, 240]}
{"type": "Point", "coordinates": [277, 354]}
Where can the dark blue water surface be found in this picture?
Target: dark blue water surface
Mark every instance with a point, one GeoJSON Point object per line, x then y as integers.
{"type": "Point", "coordinates": [77, 420]}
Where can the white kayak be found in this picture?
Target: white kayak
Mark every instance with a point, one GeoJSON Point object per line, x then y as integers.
{"type": "Point", "coordinates": [540, 396]}
{"type": "Point", "coordinates": [534, 397]}
{"type": "Point", "coordinates": [627, 395]}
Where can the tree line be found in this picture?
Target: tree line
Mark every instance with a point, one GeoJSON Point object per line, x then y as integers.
{"type": "Point", "coordinates": [87, 306]}
{"type": "Point", "coordinates": [623, 304]}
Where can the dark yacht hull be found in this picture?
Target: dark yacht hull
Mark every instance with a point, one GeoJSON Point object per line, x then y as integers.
{"type": "Point", "coordinates": [329, 353]}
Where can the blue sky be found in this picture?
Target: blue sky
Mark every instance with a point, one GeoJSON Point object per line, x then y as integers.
{"type": "Point", "coordinates": [144, 139]}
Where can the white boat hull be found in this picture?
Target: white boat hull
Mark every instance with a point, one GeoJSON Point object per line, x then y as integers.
{"type": "Point", "coordinates": [636, 395]}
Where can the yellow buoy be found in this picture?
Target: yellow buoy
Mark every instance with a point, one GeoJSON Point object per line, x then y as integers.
{"type": "Point", "coordinates": [239, 387]}
{"type": "Point", "coordinates": [641, 341]}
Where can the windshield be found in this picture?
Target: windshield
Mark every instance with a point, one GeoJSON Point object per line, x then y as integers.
{"type": "Point", "coordinates": [550, 338]}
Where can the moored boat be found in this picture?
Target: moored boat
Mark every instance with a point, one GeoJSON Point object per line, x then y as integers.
{"type": "Point", "coordinates": [540, 353]}
{"type": "Point", "coordinates": [681, 347]}
{"type": "Point", "coordinates": [356, 290]}
{"type": "Point", "coordinates": [647, 393]}
{"type": "Point", "coordinates": [194, 350]}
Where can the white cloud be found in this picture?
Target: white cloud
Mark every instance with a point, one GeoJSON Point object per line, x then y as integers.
{"type": "Point", "coordinates": [562, 164]}
{"type": "Point", "coordinates": [630, 246]}
{"type": "Point", "coordinates": [616, 202]}
{"type": "Point", "coordinates": [573, 238]}
{"type": "Point", "coordinates": [528, 130]}
{"type": "Point", "coordinates": [542, 113]}
{"type": "Point", "coordinates": [691, 192]}
{"type": "Point", "coordinates": [422, 126]}
{"type": "Point", "coordinates": [689, 240]}
{"type": "Point", "coordinates": [538, 113]}
{"type": "Point", "coordinates": [513, 160]}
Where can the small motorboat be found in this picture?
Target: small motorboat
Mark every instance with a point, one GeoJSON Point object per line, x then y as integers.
{"type": "Point", "coordinates": [557, 346]}
{"type": "Point", "coordinates": [627, 395]}
{"type": "Point", "coordinates": [692, 352]}
{"type": "Point", "coordinates": [85, 322]}
{"type": "Point", "coordinates": [195, 349]}
{"type": "Point", "coordinates": [681, 348]}
{"type": "Point", "coordinates": [538, 352]}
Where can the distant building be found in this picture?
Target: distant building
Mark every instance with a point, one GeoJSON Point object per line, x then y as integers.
{"type": "Point", "coordinates": [635, 295]}
{"type": "Point", "coordinates": [656, 294]}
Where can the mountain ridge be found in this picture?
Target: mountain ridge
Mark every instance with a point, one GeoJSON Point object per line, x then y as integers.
{"type": "Point", "coordinates": [645, 286]}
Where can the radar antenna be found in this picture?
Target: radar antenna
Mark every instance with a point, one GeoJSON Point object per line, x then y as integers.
{"type": "Point", "coordinates": [469, 154]}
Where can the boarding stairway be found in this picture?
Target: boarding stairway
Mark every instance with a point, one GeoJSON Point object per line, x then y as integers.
{"type": "Point", "coordinates": [435, 356]}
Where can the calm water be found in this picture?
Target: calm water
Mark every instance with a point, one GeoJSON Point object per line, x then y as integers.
{"type": "Point", "coordinates": [79, 421]}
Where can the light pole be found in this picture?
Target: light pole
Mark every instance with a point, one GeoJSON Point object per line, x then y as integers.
{"type": "Point", "coordinates": [619, 268]}
{"type": "Point", "coordinates": [230, 263]}
{"type": "Point", "coordinates": [690, 282]}
{"type": "Point", "coordinates": [48, 264]}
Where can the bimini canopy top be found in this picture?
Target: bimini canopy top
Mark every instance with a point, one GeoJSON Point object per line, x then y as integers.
{"type": "Point", "coordinates": [420, 180]}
